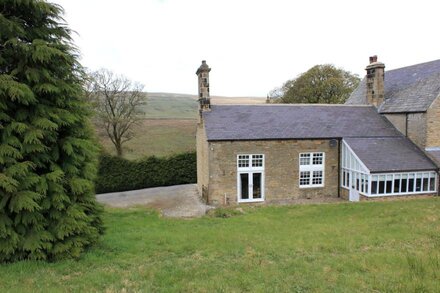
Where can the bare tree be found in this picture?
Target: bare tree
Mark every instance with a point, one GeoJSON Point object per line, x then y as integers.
{"type": "Point", "coordinates": [117, 102]}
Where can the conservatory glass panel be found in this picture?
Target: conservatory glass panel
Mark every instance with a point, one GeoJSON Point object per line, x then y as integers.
{"type": "Point", "coordinates": [411, 182]}
{"type": "Point", "coordinates": [404, 183]}
{"type": "Point", "coordinates": [381, 179]}
{"type": "Point", "coordinates": [418, 182]}
{"type": "Point", "coordinates": [397, 183]}
{"type": "Point", "coordinates": [425, 182]}
{"type": "Point", "coordinates": [389, 184]}
{"type": "Point", "coordinates": [432, 182]}
{"type": "Point", "coordinates": [374, 184]}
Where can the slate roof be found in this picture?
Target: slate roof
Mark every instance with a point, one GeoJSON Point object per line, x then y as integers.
{"type": "Point", "coordinates": [407, 89]}
{"type": "Point", "coordinates": [390, 154]}
{"type": "Point", "coordinates": [269, 122]}
{"type": "Point", "coordinates": [435, 155]}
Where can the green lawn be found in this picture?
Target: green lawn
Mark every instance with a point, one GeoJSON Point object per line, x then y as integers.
{"type": "Point", "coordinates": [363, 247]}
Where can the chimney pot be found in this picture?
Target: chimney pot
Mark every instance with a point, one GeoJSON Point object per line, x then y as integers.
{"type": "Point", "coordinates": [373, 59]}
{"type": "Point", "coordinates": [203, 78]}
{"type": "Point", "coordinates": [375, 82]}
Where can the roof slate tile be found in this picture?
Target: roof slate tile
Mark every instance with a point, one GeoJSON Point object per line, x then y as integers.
{"type": "Point", "coordinates": [390, 154]}
{"type": "Point", "coordinates": [257, 122]}
{"type": "Point", "coordinates": [407, 89]}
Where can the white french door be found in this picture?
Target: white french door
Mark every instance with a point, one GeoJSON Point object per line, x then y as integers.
{"type": "Point", "coordinates": [250, 178]}
{"type": "Point", "coordinates": [250, 186]}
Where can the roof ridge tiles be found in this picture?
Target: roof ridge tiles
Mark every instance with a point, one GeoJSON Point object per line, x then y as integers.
{"type": "Point", "coordinates": [292, 105]}
{"type": "Point", "coordinates": [413, 65]}
{"type": "Point", "coordinates": [410, 89]}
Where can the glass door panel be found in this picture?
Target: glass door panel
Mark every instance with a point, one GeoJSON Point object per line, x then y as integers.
{"type": "Point", "coordinates": [256, 185]}
{"type": "Point", "coordinates": [244, 185]}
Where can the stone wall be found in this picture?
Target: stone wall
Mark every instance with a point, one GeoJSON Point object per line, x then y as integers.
{"type": "Point", "coordinates": [281, 173]}
{"type": "Point", "coordinates": [417, 125]}
{"type": "Point", "coordinates": [202, 159]}
{"type": "Point", "coordinates": [344, 193]}
{"type": "Point", "coordinates": [396, 197]}
{"type": "Point", "coordinates": [423, 128]}
{"type": "Point", "coordinates": [417, 128]}
{"type": "Point", "coordinates": [433, 124]}
{"type": "Point", "coordinates": [398, 120]}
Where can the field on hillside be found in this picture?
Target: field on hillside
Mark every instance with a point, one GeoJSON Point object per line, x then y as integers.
{"type": "Point", "coordinates": [169, 126]}
{"type": "Point", "coordinates": [170, 106]}
{"type": "Point", "coordinates": [158, 137]}
{"type": "Point", "coordinates": [181, 106]}
{"type": "Point", "coordinates": [363, 247]}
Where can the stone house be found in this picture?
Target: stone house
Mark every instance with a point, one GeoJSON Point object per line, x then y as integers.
{"type": "Point", "coordinates": [384, 142]}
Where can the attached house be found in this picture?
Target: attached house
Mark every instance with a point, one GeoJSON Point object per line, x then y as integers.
{"type": "Point", "coordinates": [281, 152]}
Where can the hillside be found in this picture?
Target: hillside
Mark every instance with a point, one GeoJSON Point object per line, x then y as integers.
{"type": "Point", "coordinates": [183, 106]}
{"type": "Point", "coordinates": [169, 126]}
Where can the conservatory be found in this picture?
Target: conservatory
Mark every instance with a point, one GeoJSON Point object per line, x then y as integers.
{"type": "Point", "coordinates": [386, 167]}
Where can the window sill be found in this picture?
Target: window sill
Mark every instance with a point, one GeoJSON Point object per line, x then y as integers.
{"type": "Point", "coordinates": [311, 186]}
{"type": "Point", "coordinates": [250, 200]}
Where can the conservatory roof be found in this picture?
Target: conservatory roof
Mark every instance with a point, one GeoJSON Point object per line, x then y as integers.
{"type": "Point", "coordinates": [435, 155]}
{"type": "Point", "coordinates": [389, 154]}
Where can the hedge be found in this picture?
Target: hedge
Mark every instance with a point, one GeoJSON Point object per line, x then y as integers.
{"type": "Point", "coordinates": [118, 174]}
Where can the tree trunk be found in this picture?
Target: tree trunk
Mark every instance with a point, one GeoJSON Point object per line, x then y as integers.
{"type": "Point", "coordinates": [118, 147]}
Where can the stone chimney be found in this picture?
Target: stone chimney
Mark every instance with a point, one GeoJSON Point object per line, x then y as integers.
{"type": "Point", "coordinates": [203, 77]}
{"type": "Point", "coordinates": [375, 82]}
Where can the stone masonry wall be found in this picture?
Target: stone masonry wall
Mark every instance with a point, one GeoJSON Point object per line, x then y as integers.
{"type": "Point", "coordinates": [281, 173]}
{"type": "Point", "coordinates": [417, 128]}
{"type": "Point", "coordinates": [398, 120]}
{"type": "Point", "coordinates": [344, 193]}
{"type": "Point", "coordinates": [202, 158]}
{"type": "Point", "coordinates": [433, 124]}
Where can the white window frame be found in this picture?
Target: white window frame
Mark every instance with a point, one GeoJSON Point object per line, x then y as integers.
{"type": "Point", "coordinates": [423, 175]}
{"type": "Point", "coordinates": [311, 168]}
{"type": "Point", "coordinates": [353, 168]}
{"type": "Point", "coordinates": [250, 170]}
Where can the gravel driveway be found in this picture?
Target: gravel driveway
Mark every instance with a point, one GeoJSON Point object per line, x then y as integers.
{"type": "Point", "coordinates": [180, 201]}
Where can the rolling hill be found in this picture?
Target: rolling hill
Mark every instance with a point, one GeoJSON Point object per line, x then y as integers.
{"type": "Point", "coordinates": [169, 126]}
{"type": "Point", "coordinates": [183, 106]}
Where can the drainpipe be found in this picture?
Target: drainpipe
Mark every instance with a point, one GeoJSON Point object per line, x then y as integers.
{"type": "Point", "coordinates": [406, 124]}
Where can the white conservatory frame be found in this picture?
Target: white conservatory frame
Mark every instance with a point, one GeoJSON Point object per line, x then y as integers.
{"type": "Point", "coordinates": [355, 175]}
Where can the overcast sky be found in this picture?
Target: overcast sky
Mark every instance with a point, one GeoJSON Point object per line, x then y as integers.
{"type": "Point", "coordinates": [251, 46]}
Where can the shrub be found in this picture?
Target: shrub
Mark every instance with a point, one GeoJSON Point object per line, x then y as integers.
{"type": "Point", "coordinates": [225, 212]}
{"type": "Point", "coordinates": [118, 174]}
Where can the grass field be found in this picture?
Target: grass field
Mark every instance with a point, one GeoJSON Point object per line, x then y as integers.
{"type": "Point", "coordinates": [159, 137]}
{"type": "Point", "coordinates": [363, 247]}
{"type": "Point", "coordinates": [182, 106]}
{"type": "Point", "coordinates": [169, 126]}
{"type": "Point", "coordinates": [170, 106]}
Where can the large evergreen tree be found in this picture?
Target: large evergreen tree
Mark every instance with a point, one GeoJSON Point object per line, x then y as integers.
{"type": "Point", "coordinates": [47, 154]}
